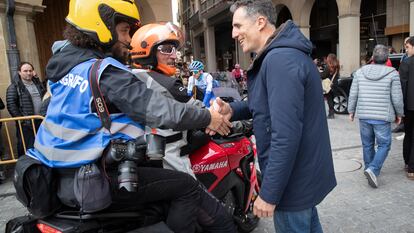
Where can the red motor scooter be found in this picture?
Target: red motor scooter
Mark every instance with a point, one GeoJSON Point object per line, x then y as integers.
{"type": "Point", "coordinates": [226, 167]}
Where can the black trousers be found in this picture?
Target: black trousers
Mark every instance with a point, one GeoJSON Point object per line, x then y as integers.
{"type": "Point", "coordinates": [155, 185]}
{"type": "Point", "coordinates": [330, 99]}
{"type": "Point", "coordinates": [29, 136]}
{"type": "Point", "coordinates": [189, 203]}
{"type": "Point", "coordinates": [212, 216]}
{"type": "Point", "coordinates": [408, 144]}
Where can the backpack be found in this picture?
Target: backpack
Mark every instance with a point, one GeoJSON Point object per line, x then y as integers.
{"type": "Point", "coordinates": [23, 224]}
{"type": "Point", "coordinates": [36, 186]}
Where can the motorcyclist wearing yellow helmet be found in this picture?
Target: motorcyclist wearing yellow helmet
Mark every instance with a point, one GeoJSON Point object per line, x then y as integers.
{"type": "Point", "coordinates": [72, 135]}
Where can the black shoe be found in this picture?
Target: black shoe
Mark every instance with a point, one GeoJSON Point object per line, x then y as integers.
{"type": "Point", "coordinates": [331, 116]}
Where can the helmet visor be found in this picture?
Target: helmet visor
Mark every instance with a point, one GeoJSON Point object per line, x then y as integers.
{"type": "Point", "coordinates": [167, 49]}
{"type": "Point", "coordinates": [179, 34]}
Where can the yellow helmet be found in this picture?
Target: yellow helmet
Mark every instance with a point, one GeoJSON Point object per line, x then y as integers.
{"type": "Point", "coordinates": [98, 18]}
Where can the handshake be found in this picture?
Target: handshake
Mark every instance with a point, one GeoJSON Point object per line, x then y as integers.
{"type": "Point", "coordinates": [221, 113]}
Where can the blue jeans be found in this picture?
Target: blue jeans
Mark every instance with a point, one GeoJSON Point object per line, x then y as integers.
{"type": "Point", "coordinates": [369, 134]}
{"type": "Point", "coordinates": [303, 221]}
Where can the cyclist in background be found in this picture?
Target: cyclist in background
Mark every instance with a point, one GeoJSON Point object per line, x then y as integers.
{"type": "Point", "coordinates": [203, 81]}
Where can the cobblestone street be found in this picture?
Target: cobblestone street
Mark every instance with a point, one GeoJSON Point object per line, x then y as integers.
{"type": "Point", "coordinates": [353, 206]}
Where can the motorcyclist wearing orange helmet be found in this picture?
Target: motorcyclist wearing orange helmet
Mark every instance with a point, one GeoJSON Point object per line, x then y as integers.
{"type": "Point", "coordinates": [154, 48]}
{"type": "Point", "coordinates": [72, 135]}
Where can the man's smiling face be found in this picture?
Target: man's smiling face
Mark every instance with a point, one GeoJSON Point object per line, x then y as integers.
{"type": "Point", "coordinates": [246, 30]}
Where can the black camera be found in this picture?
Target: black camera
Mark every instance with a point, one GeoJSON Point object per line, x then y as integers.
{"type": "Point", "coordinates": [121, 150]}
{"type": "Point", "coordinates": [128, 154]}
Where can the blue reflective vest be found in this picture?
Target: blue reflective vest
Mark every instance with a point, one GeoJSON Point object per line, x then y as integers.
{"type": "Point", "coordinates": [71, 134]}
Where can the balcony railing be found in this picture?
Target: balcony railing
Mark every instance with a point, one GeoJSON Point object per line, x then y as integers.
{"type": "Point", "coordinates": [194, 20]}
{"type": "Point", "coordinates": [209, 8]}
{"type": "Point", "coordinates": [186, 15]}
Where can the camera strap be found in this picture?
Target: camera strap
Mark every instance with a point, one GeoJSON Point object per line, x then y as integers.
{"type": "Point", "coordinates": [98, 98]}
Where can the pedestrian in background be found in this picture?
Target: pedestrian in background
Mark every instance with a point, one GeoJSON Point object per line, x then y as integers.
{"type": "Point", "coordinates": [407, 80]}
{"type": "Point", "coordinates": [288, 111]}
{"type": "Point", "coordinates": [331, 71]}
{"type": "Point", "coordinates": [24, 98]}
{"type": "Point", "coordinates": [376, 99]}
{"type": "Point", "coordinates": [400, 127]}
{"type": "Point", "coordinates": [237, 73]}
{"type": "Point", "coordinates": [405, 55]}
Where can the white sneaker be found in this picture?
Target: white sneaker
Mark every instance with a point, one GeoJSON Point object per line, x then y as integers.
{"type": "Point", "coordinates": [372, 179]}
{"type": "Point", "coordinates": [401, 137]}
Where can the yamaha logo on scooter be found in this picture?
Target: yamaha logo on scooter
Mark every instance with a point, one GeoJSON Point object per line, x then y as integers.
{"type": "Point", "coordinates": [197, 168]}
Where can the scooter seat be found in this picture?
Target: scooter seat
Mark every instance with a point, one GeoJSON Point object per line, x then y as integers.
{"type": "Point", "coordinates": [227, 139]}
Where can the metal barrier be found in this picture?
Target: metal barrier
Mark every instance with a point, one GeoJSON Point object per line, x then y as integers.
{"type": "Point", "coordinates": [18, 122]}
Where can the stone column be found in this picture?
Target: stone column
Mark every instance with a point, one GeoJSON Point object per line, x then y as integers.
{"type": "Point", "coordinates": [411, 17]}
{"type": "Point", "coordinates": [26, 40]}
{"type": "Point", "coordinates": [196, 47]}
{"type": "Point", "coordinates": [210, 48]}
{"type": "Point", "coordinates": [349, 43]}
{"type": "Point", "coordinates": [25, 35]}
{"type": "Point", "coordinates": [4, 65]}
{"type": "Point", "coordinates": [305, 30]}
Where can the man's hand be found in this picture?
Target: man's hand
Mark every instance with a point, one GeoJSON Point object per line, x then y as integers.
{"type": "Point", "coordinates": [218, 123]}
{"type": "Point", "coordinates": [223, 108]}
{"type": "Point", "coordinates": [351, 116]}
{"type": "Point", "coordinates": [263, 209]}
{"type": "Point", "coordinates": [398, 120]}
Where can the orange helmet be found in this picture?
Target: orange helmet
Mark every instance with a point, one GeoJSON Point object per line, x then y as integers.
{"type": "Point", "coordinates": [146, 39]}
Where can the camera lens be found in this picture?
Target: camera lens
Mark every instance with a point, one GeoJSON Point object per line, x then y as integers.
{"type": "Point", "coordinates": [155, 146]}
{"type": "Point", "coordinates": [128, 176]}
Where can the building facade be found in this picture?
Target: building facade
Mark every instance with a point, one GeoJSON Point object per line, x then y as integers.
{"type": "Point", "coordinates": [38, 23]}
{"type": "Point", "coordinates": [348, 28]}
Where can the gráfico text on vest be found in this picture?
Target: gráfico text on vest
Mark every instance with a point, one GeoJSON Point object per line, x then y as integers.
{"type": "Point", "coordinates": [75, 81]}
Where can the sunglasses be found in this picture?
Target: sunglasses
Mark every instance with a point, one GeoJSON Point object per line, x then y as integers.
{"type": "Point", "coordinates": [167, 49]}
{"type": "Point", "coordinates": [195, 72]}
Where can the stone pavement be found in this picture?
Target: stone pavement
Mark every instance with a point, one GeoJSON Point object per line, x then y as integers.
{"type": "Point", "coordinates": [353, 206]}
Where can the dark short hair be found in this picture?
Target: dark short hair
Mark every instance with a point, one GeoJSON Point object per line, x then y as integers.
{"type": "Point", "coordinates": [380, 54]}
{"type": "Point", "coordinates": [257, 7]}
{"type": "Point", "coordinates": [410, 40]}
{"type": "Point", "coordinates": [19, 68]}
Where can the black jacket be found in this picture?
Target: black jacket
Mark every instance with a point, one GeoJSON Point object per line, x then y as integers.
{"type": "Point", "coordinates": [1, 104]}
{"type": "Point", "coordinates": [407, 82]}
{"type": "Point", "coordinates": [19, 101]}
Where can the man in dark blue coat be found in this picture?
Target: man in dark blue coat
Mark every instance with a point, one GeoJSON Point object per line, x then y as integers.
{"type": "Point", "coordinates": [286, 103]}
